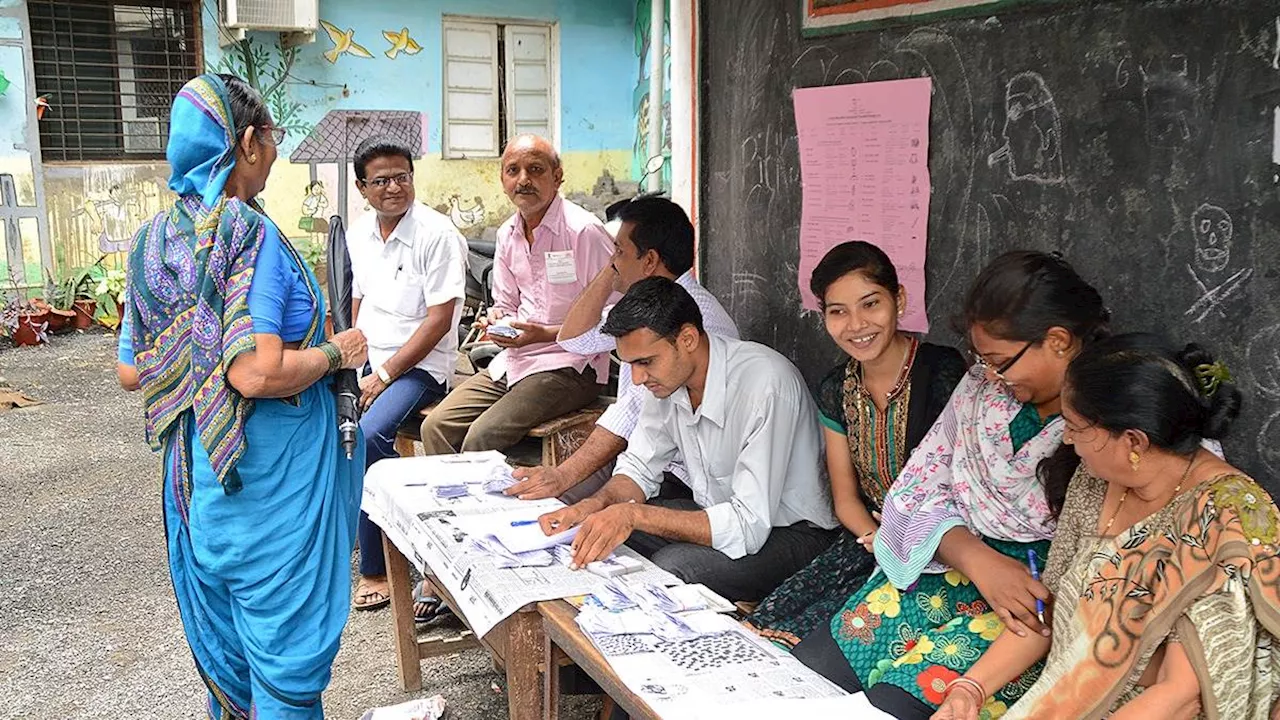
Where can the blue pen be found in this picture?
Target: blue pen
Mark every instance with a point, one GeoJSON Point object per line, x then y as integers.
{"type": "Point", "coordinates": [1035, 574]}
{"type": "Point", "coordinates": [522, 523]}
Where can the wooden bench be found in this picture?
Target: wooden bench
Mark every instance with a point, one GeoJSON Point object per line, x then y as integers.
{"type": "Point", "coordinates": [547, 444]}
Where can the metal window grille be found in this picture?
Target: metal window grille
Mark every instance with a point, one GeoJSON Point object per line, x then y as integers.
{"type": "Point", "coordinates": [110, 69]}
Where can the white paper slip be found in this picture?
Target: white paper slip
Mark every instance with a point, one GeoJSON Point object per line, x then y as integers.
{"type": "Point", "coordinates": [499, 479]}
{"type": "Point", "coordinates": [614, 565]}
{"type": "Point", "coordinates": [714, 601]}
{"type": "Point", "coordinates": [526, 538]}
{"type": "Point", "coordinates": [428, 471]}
{"type": "Point", "coordinates": [431, 708]}
{"type": "Point", "coordinates": [561, 268]}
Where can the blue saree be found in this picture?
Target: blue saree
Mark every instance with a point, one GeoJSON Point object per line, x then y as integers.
{"type": "Point", "coordinates": [260, 507]}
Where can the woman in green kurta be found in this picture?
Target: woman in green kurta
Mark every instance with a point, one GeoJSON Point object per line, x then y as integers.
{"type": "Point", "coordinates": [874, 407]}
{"type": "Point", "coordinates": [1165, 569]}
{"type": "Point", "coordinates": [958, 521]}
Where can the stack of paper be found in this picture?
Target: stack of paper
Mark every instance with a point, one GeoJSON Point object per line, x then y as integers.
{"type": "Point", "coordinates": [506, 559]}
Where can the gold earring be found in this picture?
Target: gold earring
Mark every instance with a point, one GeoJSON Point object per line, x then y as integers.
{"type": "Point", "coordinates": [254, 158]}
{"type": "Point", "coordinates": [1134, 460]}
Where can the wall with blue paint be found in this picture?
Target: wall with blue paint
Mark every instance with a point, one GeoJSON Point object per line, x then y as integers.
{"type": "Point", "coordinates": [597, 65]}
{"type": "Point", "coordinates": [597, 77]}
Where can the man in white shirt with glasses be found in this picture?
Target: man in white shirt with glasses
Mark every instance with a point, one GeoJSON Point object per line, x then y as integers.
{"type": "Point", "coordinates": [408, 268]}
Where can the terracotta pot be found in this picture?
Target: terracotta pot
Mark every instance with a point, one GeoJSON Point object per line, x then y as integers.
{"type": "Point", "coordinates": [84, 310]}
{"type": "Point", "coordinates": [61, 320]}
{"type": "Point", "coordinates": [25, 333]}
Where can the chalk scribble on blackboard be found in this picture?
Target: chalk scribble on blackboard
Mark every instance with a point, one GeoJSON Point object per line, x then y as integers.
{"type": "Point", "coordinates": [1264, 361]}
{"type": "Point", "coordinates": [1169, 97]}
{"type": "Point", "coordinates": [1032, 149]}
{"type": "Point", "coordinates": [1268, 444]}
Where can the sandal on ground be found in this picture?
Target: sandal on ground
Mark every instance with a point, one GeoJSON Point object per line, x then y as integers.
{"type": "Point", "coordinates": [427, 607]}
{"type": "Point", "coordinates": [370, 599]}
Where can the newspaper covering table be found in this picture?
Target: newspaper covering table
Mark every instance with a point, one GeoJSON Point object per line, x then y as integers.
{"type": "Point", "coordinates": [400, 496]}
{"type": "Point", "coordinates": [728, 672]}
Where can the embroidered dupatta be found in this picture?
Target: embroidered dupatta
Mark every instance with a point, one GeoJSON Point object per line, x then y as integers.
{"type": "Point", "coordinates": [189, 274]}
{"type": "Point", "coordinates": [966, 473]}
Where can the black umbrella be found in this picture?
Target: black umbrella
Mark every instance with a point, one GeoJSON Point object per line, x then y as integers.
{"type": "Point", "coordinates": [345, 384]}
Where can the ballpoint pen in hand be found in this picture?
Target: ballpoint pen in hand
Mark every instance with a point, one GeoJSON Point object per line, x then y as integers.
{"type": "Point", "coordinates": [1035, 575]}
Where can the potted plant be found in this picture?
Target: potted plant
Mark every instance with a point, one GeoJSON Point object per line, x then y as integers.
{"type": "Point", "coordinates": [79, 288]}
{"type": "Point", "coordinates": [110, 294]}
{"type": "Point", "coordinates": [316, 254]}
{"type": "Point", "coordinates": [61, 301]}
{"type": "Point", "coordinates": [23, 321]}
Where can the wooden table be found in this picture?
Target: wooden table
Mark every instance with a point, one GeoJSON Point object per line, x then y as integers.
{"type": "Point", "coordinates": [516, 643]}
{"type": "Point", "coordinates": [564, 642]}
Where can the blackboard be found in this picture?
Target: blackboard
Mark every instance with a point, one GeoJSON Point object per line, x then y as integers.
{"type": "Point", "coordinates": [1167, 116]}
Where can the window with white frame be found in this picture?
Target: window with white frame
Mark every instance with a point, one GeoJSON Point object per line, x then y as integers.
{"type": "Point", "coordinates": [500, 80]}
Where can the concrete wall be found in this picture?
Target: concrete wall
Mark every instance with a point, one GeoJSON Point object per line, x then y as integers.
{"type": "Point", "coordinates": [95, 208]}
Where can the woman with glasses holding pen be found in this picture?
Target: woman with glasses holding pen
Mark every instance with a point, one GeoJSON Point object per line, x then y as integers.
{"type": "Point", "coordinates": [959, 520]}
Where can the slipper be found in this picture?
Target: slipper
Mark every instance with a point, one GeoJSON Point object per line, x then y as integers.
{"type": "Point", "coordinates": [433, 607]}
{"type": "Point", "coordinates": [371, 600]}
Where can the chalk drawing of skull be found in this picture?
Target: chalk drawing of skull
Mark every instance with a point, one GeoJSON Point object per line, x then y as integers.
{"type": "Point", "coordinates": [1213, 229]}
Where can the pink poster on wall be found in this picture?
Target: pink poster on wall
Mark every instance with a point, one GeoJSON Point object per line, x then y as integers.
{"type": "Point", "coordinates": [864, 165]}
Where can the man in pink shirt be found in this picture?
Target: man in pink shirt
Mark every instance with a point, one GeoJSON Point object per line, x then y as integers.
{"type": "Point", "coordinates": [547, 253]}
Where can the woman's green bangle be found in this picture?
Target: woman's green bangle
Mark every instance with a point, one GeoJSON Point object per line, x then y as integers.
{"type": "Point", "coordinates": [333, 354]}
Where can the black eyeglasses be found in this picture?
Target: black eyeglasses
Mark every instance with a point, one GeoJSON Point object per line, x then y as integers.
{"type": "Point", "coordinates": [1003, 368]}
{"type": "Point", "coordinates": [383, 182]}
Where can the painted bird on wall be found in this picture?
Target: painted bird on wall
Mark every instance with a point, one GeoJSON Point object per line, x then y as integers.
{"type": "Point", "coordinates": [401, 43]}
{"type": "Point", "coordinates": [343, 43]}
{"type": "Point", "coordinates": [465, 218]}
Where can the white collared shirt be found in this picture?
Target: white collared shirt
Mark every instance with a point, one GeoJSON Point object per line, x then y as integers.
{"type": "Point", "coordinates": [620, 418]}
{"type": "Point", "coordinates": [421, 264]}
{"type": "Point", "coordinates": [753, 448]}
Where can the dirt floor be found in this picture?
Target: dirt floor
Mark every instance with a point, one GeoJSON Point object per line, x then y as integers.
{"type": "Point", "coordinates": [88, 624]}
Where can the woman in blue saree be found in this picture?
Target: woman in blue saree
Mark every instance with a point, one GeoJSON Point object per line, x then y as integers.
{"type": "Point", "coordinates": [223, 326]}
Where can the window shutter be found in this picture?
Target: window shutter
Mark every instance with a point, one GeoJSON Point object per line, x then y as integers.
{"type": "Point", "coordinates": [529, 80]}
{"type": "Point", "coordinates": [471, 90]}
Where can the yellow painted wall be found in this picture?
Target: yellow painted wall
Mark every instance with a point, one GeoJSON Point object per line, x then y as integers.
{"type": "Point", "coordinates": [95, 209]}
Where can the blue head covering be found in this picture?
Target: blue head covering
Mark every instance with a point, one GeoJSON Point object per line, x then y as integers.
{"type": "Point", "coordinates": [202, 139]}
{"type": "Point", "coordinates": [189, 275]}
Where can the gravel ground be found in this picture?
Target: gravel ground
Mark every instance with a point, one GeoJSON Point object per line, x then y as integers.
{"type": "Point", "coordinates": [88, 624]}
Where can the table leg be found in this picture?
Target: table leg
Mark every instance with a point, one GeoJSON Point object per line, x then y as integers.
{"type": "Point", "coordinates": [550, 680]}
{"type": "Point", "coordinates": [408, 661]}
{"type": "Point", "coordinates": [524, 651]}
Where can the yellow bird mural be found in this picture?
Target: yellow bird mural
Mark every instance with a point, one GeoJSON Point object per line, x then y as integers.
{"type": "Point", "coordinates": [342, 43]}
{"type": "Point", "coordinates": [401, 43]}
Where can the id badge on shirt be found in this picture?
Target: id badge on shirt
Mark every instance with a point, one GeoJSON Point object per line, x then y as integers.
{"type": "Point", "coordinates": [561, 269]}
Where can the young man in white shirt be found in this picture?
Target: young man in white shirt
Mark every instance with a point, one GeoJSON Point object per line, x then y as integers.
{"type": "Point", "coordinates": [652, 237]}
{"type": "Point", "coordinates": [741, 417]}
{"type": "Point", "coordinates": [408, 268]}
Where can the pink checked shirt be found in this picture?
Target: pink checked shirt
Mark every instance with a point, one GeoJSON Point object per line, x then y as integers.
{"type": "Point", "coordinates": [538, 283]}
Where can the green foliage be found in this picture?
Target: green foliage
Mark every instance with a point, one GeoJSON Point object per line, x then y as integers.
{"type": "Point", "coordinates": [266, 68]}
{"type": "Point", "coordinates": [313, 251]}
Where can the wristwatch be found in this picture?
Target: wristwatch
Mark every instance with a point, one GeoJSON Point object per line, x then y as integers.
{"type": "Point", "coordinates": [383, 375]}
